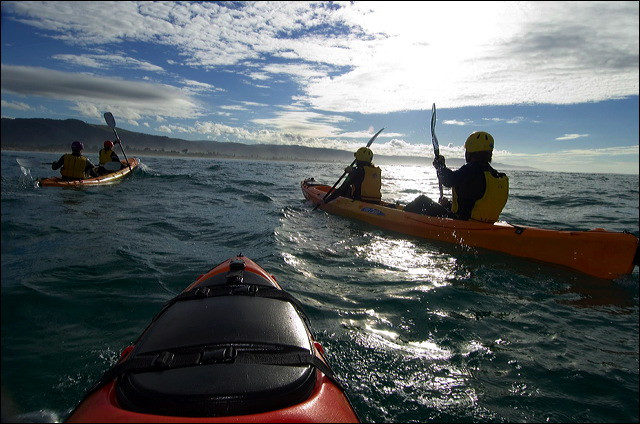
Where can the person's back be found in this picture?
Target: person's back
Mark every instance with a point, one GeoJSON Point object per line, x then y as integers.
{"type": "Point", "coordinates": [106, 155]}
{"type": "Point", "coordinates": [364, 181]}
{"type": "Point", "coordinates": [489, 207]}
{"type": "Point", "coordinates": [74, 165]}
{"type": "Point", "coordinates": [479, 192]}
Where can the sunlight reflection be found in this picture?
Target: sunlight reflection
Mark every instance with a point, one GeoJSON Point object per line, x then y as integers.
{"type": "Point", "coordinates": [377, 338]}
{"type": "Point", "coordinates": [404, 257]}
{"type": "Point", "coordinates": [297, 264]}
{"type": "Point", "coordinates": [425, 373]}
{"type": "Point", "coordinates": [404, 183]}
{"type": "Point", "coordinates": [474, 346]}
{"type": "Point", "coordinates": [385, 334]}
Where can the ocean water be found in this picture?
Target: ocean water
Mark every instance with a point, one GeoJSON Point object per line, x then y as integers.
{"type": "Point", "coordinates": [418, 331]}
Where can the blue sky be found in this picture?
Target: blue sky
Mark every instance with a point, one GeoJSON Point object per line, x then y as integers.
{"type": "Point", "coordinates": [555, 83]}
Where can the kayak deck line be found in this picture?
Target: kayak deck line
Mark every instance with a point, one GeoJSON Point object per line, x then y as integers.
{"type": "Point", "coordinates": [596, 252]}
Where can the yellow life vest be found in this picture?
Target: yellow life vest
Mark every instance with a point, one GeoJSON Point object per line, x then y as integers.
{"type": "Point", "coordinates": [489, 206]}
{"type": "Point", "coordinates": [371, 184]}
{"type": "Point", "coordinates": [105, 156]}
{"type": "Point", "coordinates": [74, 166]}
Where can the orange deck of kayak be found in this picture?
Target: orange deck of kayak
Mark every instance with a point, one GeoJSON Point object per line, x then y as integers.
{"type": "Point", "coordinates": [600, 253]}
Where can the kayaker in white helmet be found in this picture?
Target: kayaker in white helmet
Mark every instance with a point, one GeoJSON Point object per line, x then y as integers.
{"type": "Point", "coordinates": [479, 192]}
{"type": "Point", "coordinates": [363, 181]}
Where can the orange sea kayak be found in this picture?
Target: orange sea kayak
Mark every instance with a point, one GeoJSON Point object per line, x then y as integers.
{"type": "Point", "coordinates": [110, 178]}
{"type": "Point", "coordinates": [232, 347]}
{"type": "Point", "coordinates": [597, 252]}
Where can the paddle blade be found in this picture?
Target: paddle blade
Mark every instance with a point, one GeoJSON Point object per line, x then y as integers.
{"type": "Point", "coordinates": [374, 137]}
{"type": "Point", "coordinates": [111, 121]}
{"type": "Point", "coordinates": [29, 163]}
{"type": "Point", "coordinates": [436, 145]}
{"type": "Point", "coordinates": [112, 166]}
{"type": "Point", "coordinates": [434, 138]}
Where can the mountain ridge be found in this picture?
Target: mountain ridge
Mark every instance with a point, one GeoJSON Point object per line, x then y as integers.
{"type": "Point", "coordinates": [53, 135]}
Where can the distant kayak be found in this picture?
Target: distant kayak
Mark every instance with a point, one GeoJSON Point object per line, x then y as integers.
{"type": "Point", "coordinates": [110, 178]}
{"type": "Point", "coordinates": [232, 347]}
{"type": "Point", "coordinates": [597, 252]}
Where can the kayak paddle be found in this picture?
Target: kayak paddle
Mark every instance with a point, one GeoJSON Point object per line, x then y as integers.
{"type": "Point", "coordinates": [108, 117]}
{"type": "Point", "coordinates": [434, 141]}
{"type": "Point", "coordinates": [345, 172]}
{"type": "Point", "coordinates": [112, 166]}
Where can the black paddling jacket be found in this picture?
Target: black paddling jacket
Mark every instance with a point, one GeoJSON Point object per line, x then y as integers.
{"type": "Point", "coordinates": [479, 191]}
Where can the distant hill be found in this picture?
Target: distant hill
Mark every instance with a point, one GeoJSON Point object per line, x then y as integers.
{"type": "Point", "coordinates": [54, 135]}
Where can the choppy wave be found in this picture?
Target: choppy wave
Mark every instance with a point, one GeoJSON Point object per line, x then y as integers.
{"type": "Point", "coordinates": [416, 330]}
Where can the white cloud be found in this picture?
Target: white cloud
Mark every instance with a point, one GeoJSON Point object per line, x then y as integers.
{"type": "Point", "coordinates": [514, 120]}
{"type": "Point", "coordinates": [233, 107]}
{"type": "Point", "coordinates": [620, 160]}
{"type": "Point", "coordinates": [15, 105]}
{"type": "Point", "coordinates": [254, 104]}
{"type": "Point", "coordinates": [542, 55]}
{"type": "Point", "coordinates": [104, 61]}
{"type": "Point", "coordinates": [454, 122]}
{"type": "Point", "coordinates": [197, 87]}
{"type": "Point", "coordinates": [572, 136]}
{"type": "Point", "coordinates": [379, 57]}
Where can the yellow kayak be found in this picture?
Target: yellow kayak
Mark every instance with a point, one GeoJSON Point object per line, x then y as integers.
{"type": "Point", "coordinates": [110, 178]}
{"type": "Point", "coordinates": [597, 252]}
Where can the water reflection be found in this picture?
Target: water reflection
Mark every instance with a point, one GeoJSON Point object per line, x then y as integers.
{"type": "Point", "coordinates": [404, 183]}
{"type": "Point", "coordinates": [620, 296]}
{"type": "Point", "coordinates": [407, 259]}
{"type": "Point", "coordinates": [411, 376]}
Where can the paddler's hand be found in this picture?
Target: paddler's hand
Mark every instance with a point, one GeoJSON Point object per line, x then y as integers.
{"type": "Point", "coordinates": [445, 203]}
{"type": "Point", "coordinates": [439, 162]}
{"type": "Point", "coordinates": [348, 169]}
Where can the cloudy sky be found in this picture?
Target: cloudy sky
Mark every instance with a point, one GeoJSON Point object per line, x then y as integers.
{"type": "Point", "coordinates": [555, 83]}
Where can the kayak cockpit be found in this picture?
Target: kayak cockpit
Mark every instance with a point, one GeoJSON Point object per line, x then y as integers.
{"type": "Point", "coordinates": [227, 350]}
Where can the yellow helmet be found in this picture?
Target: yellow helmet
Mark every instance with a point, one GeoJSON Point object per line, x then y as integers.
{"type": "Point", "coordinates": [363, 154]}
{"type": "Point", "coordinates": [479, 141]}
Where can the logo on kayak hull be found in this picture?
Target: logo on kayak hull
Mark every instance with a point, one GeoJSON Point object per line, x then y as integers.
{"type": "Point", "coordinates": [372, 211]}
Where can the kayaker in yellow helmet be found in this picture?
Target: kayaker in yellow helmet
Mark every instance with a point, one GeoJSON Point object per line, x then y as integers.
{"type": "Point", "coordinates": [479, 192]}
{"type": "Point", "coordinates": [105, 155]}
{"type": "Point", "coordinates": [74, 165]}
{"type": "Point", "coordinates": [363, 181]}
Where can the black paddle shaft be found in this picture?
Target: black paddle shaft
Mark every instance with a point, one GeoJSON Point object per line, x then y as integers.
{"type": "Point", "coordinates": [111, 122]}
{"type": "Point", "coordinates": [434, 141]}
